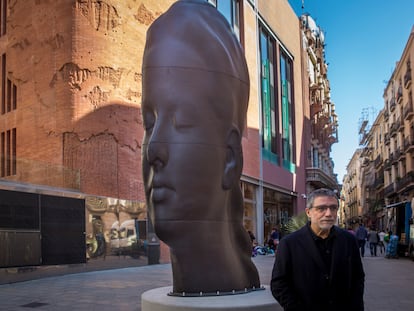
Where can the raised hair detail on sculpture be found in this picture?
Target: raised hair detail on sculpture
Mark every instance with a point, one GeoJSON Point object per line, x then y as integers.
{"type": "Point", "coordinates": [195, 90]}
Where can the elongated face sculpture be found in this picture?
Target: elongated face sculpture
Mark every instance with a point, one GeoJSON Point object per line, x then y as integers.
{"type": "Point", "coordinates": [194, 102]}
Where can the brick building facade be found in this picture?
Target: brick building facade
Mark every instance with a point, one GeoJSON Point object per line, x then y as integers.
{"type": "Point", "coordinates": [71, 91]}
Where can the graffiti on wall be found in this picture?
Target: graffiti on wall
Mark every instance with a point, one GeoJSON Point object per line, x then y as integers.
{"type": "Point", "coordinates": [115, 227]}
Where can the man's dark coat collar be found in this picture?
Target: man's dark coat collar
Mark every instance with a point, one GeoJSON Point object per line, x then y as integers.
{"type": "Point", "coordinates": [308, 244]}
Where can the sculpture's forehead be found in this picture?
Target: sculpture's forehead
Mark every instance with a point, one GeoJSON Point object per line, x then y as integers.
{"type": "Point", "coordinates": [194, 35]}
{"type": "Point", "coordinates": [176, 84]}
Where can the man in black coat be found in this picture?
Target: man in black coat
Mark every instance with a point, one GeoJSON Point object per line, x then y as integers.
{"type": "Point", "coordinates": [319, 267]}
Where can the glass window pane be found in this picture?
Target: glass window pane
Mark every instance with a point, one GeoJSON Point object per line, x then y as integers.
{"type": "Point", "coordinates": [224, 6]}
{"type": "Point", "coordinates": [236, 18]}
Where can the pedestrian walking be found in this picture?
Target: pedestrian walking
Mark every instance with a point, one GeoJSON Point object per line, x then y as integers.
{"type": "Point", "coordinates": [318, 267]}
{"type": "Point", "coordinates": [392, 246]}
{"type": "Point", "coordinates": [381, 244]}
{"type": "Point", "coordinates": [361, 235]}
{"type": "Point", "coordinates": [373, 240]}
{"type": "Point", "coordinates": [387, 240]}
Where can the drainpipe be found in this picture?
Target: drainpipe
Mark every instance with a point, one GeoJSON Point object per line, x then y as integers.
{"type": "Point", "coordinates": [259, 192]}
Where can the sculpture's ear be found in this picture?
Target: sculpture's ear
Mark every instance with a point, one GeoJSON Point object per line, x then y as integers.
{"type": "Point", "coordinates": [234, 159]}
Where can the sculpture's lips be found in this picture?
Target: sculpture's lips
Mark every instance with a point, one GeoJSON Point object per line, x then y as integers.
{"type": "Point", "coordinates": [160, 192]}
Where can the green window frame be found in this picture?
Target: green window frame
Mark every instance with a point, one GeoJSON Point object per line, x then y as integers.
{"type": "Point", "coordinates": [268, 96]}
{"type": "Point", "coordinates": [277, 102]}
{"type": "Point", "coordinates": [288, 121]}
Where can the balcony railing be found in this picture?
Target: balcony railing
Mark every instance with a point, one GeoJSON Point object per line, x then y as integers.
{"type": "Point", "coordinates": [408, 110]}
{"type": "Point", "coordinates": [399, 94]}
{"type": "Point", "coordinates": [316, 108]}
{"type": "Point", "coordinates": [379, 182]}
{"type": "Point", "coordinates": [396, 154]}
{"type": "Point", "coordinates": [407, 79]}
{"type": "Point", "coordinates": [378, 161]}
{"type": "Point", "coordinates": [405, 181]}
{"type": "Point", "coordinates": [409, 144]}
{"type": "Point", "coordinates": [394, 127]}
{"type": "Point", "coordinates": [392, 104]}
{"type": "Point", "coordinates": [393, 157]}
{"type": "Point", "coordinates": [387, 138]}
{"type": "Point", "coordinates": [386, 115]}
{"type": "Point", "coordinates": [389, 190]}
{"type": "Point", "coordinates": [400, 124]}
{"type": "Point", "coordinates": [399, 153]}
{"type": "Point", "coordinates": [387, 165]}
{"type": "Point", "coordinates": [320, 178]}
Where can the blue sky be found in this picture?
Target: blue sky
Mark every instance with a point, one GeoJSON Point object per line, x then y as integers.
{"type": "Point", "coordinates": [364, 39]}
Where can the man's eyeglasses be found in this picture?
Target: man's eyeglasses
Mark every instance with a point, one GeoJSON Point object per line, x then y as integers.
{"type": "Point", "coordinates": [324, 208]}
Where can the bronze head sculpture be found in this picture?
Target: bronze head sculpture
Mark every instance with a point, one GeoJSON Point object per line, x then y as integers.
{"type": "Point", "coordinates": [195, 93]}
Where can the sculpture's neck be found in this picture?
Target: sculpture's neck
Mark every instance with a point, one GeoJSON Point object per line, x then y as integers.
{"type": "Point", "coordinates": [213, 257]}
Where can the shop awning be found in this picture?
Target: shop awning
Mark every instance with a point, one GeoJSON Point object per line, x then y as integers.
{"type": "Point", "coordinates": [395, 204]}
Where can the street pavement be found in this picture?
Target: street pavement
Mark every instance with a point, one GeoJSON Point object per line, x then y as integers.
{"type": "Point", "coordinates": [389, 286]}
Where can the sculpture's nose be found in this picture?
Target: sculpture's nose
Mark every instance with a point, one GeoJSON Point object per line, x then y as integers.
{"type": "Point", "coordinates": [157, 149]}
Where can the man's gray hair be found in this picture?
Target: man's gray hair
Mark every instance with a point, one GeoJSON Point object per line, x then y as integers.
{"type": "Point", "coordinates": [321, 192]}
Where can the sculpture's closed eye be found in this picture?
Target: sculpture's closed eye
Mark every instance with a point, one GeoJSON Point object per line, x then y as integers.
{"type": "Point", "coordinates": [149, 119]}
{"type": "Point", "coordinates": [183, 121]}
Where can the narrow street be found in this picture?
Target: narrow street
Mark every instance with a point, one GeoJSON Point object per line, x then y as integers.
{"type": "Point", "coordinates": [389, 283]}
{"type": "Point", "coordinates": [389, 286]}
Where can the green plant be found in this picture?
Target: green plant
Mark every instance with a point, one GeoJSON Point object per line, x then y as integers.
{"type": "Point", "coordinates": [295, 222]}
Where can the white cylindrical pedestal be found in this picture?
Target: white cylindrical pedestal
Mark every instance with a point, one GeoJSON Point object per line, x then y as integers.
{"type": "Point", "coordinates": [158, 300]}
